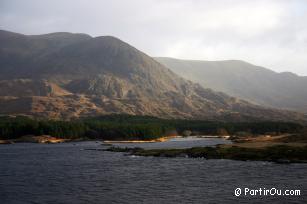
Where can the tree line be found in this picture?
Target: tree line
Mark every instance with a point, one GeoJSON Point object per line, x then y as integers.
{"type": "Point", "coordinates": [132, 127]}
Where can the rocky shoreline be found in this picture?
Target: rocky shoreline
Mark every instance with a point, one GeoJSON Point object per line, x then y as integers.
{"type": "Point", "coordinates": [275, 153]}
{"type": "Point", "coordinates": [43, 139]}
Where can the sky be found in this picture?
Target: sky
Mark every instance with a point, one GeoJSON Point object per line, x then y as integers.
{"type": "Point", "coordinates": [268, 33]}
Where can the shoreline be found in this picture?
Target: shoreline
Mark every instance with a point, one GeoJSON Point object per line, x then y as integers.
{"type": "Point", "coordinates": [46, 139]}
{"type": "Point", "coordinates": [43, 139]}
{"type": "Point", "coordinates": [161, 139]}
{"type": "Point", "coordinates": [262, 148]}
{"type": "Point", "coordinates": [239, 141]}
{"type": "Point", "coordinates": [165, 139]}
{"type": "Point", "coordinates": [283, 154]}
{"type": "Point", "coordinates": [278, 149]}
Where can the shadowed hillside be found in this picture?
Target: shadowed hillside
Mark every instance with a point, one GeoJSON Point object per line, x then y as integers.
{"type": "Point", "coordinates": [64, 75]}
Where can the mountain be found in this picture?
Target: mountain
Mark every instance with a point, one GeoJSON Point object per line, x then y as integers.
{"type": "Point", "coordinates": [249, 82]}
{"type": "Point", "coordinates": [65, 75]}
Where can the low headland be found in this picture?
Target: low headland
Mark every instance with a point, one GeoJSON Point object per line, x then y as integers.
{"type": "Point", "coordinates": [286, 148]}
{"type": "Point", "coordinates": [279, 149]}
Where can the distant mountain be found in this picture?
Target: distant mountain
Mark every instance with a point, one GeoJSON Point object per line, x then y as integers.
{"type": "Point", "coordinates": [65, 75]}
{"type": "Point", "coordinates": [240, 79]}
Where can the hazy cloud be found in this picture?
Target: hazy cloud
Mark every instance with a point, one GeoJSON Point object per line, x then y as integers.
{"type": "Point", "coordinates": [270, 33]}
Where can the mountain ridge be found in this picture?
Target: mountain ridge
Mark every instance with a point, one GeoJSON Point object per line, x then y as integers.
{"type": "Point", "coordinates": [81, 76]}
{"type": "Point", "coordinates": [255, 84]}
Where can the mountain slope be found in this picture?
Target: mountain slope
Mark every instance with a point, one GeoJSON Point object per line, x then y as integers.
{"type": "Point", "coordinates": [240, 79]}
{"type": "Point", "coordinates": [64, 75]}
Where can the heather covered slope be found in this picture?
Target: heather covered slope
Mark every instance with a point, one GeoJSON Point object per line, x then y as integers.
{"type": "Point", "coordinates": [243, 80]}
{"type": "Point", "coordinates": [64, 75]}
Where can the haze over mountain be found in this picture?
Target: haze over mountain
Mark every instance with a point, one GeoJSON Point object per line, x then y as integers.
{"type": "Point", "coordinates": [65, 75]}
{"type": "Point", "coordinates": [241, 79]}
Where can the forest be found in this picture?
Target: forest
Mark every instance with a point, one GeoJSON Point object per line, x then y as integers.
{"type": "Point", "coordinates": [128, 127]}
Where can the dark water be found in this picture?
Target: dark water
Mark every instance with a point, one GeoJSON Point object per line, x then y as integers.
{"type": "Point", "coordinates": [66, 173]}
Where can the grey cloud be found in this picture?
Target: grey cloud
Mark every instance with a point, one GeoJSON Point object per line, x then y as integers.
{"type": "Point", "coordinates": [270, 33]}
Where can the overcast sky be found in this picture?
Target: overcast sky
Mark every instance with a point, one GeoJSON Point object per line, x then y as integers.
{"type": "Point", "coordinates": [270, 33]}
